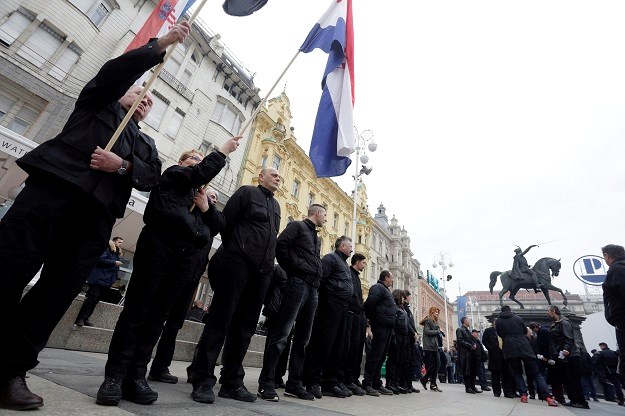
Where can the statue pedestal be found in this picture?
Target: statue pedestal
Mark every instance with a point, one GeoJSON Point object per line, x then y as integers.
{"type": "Point", "coordinates": [540, 316]}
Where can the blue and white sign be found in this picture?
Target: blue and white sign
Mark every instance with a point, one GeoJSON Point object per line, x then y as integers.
{"type": "Point", "coordinates": [590, 269]}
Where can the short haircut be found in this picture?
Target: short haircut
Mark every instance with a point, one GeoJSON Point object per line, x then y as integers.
{"type": "Point", "coordinates": [312, 210]}
{"type": "Point", "coordinates": [555, 309]}
{"type": "Point", "coordinates": [384, 275]}
{"type": "Point", "coordinates": [475, 331]}
{"type": "Point", "coordinates": [463, 319]}
{"type": "Point", "coordinates": [613, 251]}
{"type": "Point", "coordinates": [358, 257]}
{"type": "Point", "coordinates": [407, 293]}
{"type": "Point", "coordinates": [117, 238]}
{"type": "Point", "coordinates": [534, 325]}
{"type": "Point", "coordinates": [340, 241]}
{"type": "Point", "coordinates": [185, 155]}
{"type": "Point", "coordinates": [601, 344]}
{"type": "Point", "coordinates": [505, 308]}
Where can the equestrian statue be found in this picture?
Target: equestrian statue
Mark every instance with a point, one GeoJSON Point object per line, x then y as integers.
{"type": "Point", "coordinates": [522, 276]}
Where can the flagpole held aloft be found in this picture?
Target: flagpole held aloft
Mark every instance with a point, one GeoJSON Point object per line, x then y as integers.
{"type": "Point", "coordinates": [148, 84]}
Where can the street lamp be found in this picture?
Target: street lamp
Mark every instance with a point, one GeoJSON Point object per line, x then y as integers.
{"type": "Point", "coordinates": [361, 156]}
{"type": "Point", "coordinates": [443, 259]}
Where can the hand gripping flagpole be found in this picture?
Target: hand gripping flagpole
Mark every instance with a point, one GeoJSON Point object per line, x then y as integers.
{"type": "Point", "coordinates": [147, 86]}
{"type": "Point", "coordinates": [260, 106]}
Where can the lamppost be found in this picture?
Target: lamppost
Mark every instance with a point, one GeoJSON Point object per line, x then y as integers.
{"type": "Point", "coordinates": [443, 259]}
{"type": "Point", "coordinates": [361, 140]}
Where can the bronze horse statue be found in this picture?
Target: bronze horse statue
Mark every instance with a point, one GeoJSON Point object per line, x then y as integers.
{"type": "Point", "coordinates": [544, 268]}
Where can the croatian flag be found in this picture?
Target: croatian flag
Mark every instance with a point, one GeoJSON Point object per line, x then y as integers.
{"type": "Point", "coordinates": [333, 138]}
{"type": "Point", "coordinates": [161, 20]}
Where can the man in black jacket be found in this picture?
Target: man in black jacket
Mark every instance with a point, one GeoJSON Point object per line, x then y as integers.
{"type": "Point", "coordinates": [609, 360]}
{"type": "Point", "coordinates": [518, 353]}
{"type": "Point", "coordinates": [249, 240]}
{"type": "Point", "coordinates": [328, 333]}
{"type": "Point", "coordinates": [159, 370]}
{"type": "Point", "coordinates": [500, 373]}
{"type": "Point", "coordinates": [480, 358]}
{"type": "Point", "coordinates": [171, 253]}
{"type": "Point", "coordinates": [614, 298]}
{"type": "Point", "coordinates": [74, 192]}
{"type": "Point", "coordinates": [356, 329]}
{"type": "Point", "coordinates": [467, 355]}
{"type": "Point", "coordinates": [298, 253]}
{"type": "Point", "coordinates": [381, 312]}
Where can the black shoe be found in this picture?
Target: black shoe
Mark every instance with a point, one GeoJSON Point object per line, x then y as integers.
{"type": "Point", "coordinates": [79, 322]}
{"type": "Point", "coordinates": [424, 383]}
{"type": "Point", "coordinates": [358, 383]}
{"type": "Point", "coordinates": [577, 405]}
{"type": "Point", "coordinates": [509, 395]}
{"type": "Point", "coordinates": [486, 388]}
{"type": "Point", "coordinates": [280, 384]}
{"type": "Point", "coordinates": [385, 391]}
{"type": "Point", "coordinates": [414, 390]}
{"type": "Point", "coordinates": [138, 391]}
{"type": "Point", "coordinates": [470, 391]}
{"type": "Point", "coordinates": [370, 391]}
{"type": "Point", "coordinates": [164, 377]}
{"type": "Point", "coordinates": [299, 392]}
{"type": "Point", "coordinates": [268, 393]}
{"type": "Point", "coordinates": [203, 393]}
{"type": "Point", "coordinates": [238, 393]}
{"type": "Point", "coordinates": [315, 390]}
{"type": "Point", "coordinates": [15, 395]}
{"type": "Point", "coordinates": [497, 395]}
{"type": "Point", "coordinates": [435, 388]}
{"type": "Point", "coordinates": [401, 390]}
{"type": "Point", "coordinates": [358, 391]}
{"type": "Point", "coordinates": [348, 392]}
{"type": "Point", "coordinates": [110, 392]}
{"type": "Point", "coordinates": [392, 388]}
{"type": "Point", "coordinates": [531, 396]}
{"type": "Point", "coordinates": [87, 323]}
{"type": "Point", "coordinates": [334, 391]}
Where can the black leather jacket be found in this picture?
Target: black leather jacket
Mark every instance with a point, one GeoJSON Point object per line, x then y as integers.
{"type": "Point", "coordinates": [298, 251]}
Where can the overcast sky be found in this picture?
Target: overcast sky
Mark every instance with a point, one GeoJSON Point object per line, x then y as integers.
{"type": "Point", "coordinates": [498, 123]}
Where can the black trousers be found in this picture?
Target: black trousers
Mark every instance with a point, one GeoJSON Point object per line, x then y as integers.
{"type": "Point", "coordinates": [375, 357]}
{"type": "Point", "coordinates": [54, 224]}
{"type": "Point", "coordinates": [231, 323]}
{"type": "Point", "coordinates": [167, 343]}
{"type": "Point", "coordinates": [432, 363]}
{"type": "Point", "coordinates": [323, 353]}
{"type": "Point", "coordinates": [396, 361]}
{"type": "Point", "coordinates": [469, 371]}
{"type": "Point", "coordinates": [299, 303]}
{"type": "Point", "coordinates": [283, 361]}
{"type": "Point", "coordinates": [502, 381]}
{"type": "Point", "coordinates": [163, 268]}
{"type": "Point", "coordinates": [354, 345]}
{"type": "Point", "coordinates": [572, 371]}
{"type": "Point", "coordinates": [92, 297]}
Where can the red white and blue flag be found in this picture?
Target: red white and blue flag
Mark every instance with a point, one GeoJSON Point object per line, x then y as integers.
{"type": "Point", "coordinates": [333, 137]}
{"type": "Point", "coordinates": [161, 20]}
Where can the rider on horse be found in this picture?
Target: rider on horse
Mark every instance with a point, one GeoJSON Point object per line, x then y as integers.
{"type": "Point", "coordinates": [520, 267]}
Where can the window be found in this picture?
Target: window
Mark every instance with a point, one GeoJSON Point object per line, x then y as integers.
{"type": "Point", "coordinates": [155, 116]}
{"type": "Point", "coordinates": [295, 190]}
{"type": "Point", "coordinates": [311, 199]}
{"type": "Point", "coordinates": [263, 161]}
{"type": "Point", "coordinates": [13, 27]}
{"type": "Point", "coordinates": [205, 147]}
{"type": "Point", "coordinates": [226, 117]}
{"type": "Point", "coordinates": [335, 224]}
{"type": "Point", "coordinates": [41, 45]}
{"type": "Point", "coordinates": [66, 61]}
{"type": "Point", "coordinates": [174, 124]}
{"type": "Point", "coordinates": [5, 105]}
{"type": "Point", "coordinates": [97, 11]}
{"type": "Point", "coordinates": [277, 161]}
{"type": "Point", "coordinates": [346, 228]}
{"type": "Point", "coordinates": [24, 119]}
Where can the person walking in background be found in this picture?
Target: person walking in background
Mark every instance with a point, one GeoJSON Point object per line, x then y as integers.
{"type": "Point", "coordinates": [431, 335]}
{"type": "Point", "coordinates": [614, 298]}
{"type": "Point", "coordinates": [609, 359]}
{"type": "Point", "coordinates": [382, 314]}
{"type": "Point", "coordinates": [517, 351]}
{"type": "Point", "coordinates": [588, 373]}
{"type": "Point", "coordinates": [74, 192]}
{"type": "Point", "coordinates": [103, 275]}
{"type": "Point", "coordinates": [171, 254]}
{"type": "Point", "coordinates": [249, 240]}
{"type": "Point", "coordinates": [467, 355]}
{"type": "Point", "coordinates": [298, 253]}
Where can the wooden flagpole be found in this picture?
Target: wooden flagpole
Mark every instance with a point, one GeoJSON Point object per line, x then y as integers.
{"type": "Point", "coordinates": [147, 86]}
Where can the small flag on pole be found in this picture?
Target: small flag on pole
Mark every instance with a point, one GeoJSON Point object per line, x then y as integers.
{"type": "Point", "coordinates": [161, 20]}
{"type": "Point", "coordinates": [242, 7]}
{"type": "Point", "coordinates": [333, 139]}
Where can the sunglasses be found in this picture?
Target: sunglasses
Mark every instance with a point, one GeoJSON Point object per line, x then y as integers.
{"type": "Point", "coordinates": [194, 157]}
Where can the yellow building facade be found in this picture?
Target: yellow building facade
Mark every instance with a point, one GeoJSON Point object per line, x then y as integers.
{"type": "Point", "coordinates": [273, 143]}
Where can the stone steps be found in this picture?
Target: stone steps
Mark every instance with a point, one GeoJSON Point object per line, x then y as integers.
{"type": "Point", "coordinates": [66, 335]}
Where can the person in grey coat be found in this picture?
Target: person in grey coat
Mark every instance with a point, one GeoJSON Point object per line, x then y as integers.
{"type": "Point", "coordinates": [518, 352]}
{"type": "Point", "coordinates": [431, 333]}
